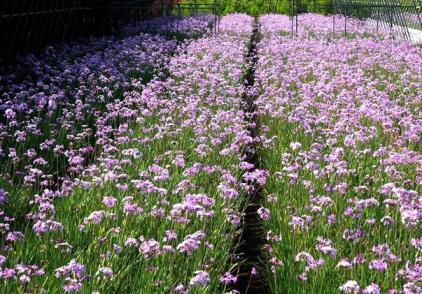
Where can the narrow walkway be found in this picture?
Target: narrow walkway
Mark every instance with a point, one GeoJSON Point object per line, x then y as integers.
{"type": "Point", "coordinates": [252, 238]}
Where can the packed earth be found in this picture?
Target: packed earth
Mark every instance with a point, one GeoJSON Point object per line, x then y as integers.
{"type": "Point", "coordinates": [195, 156]}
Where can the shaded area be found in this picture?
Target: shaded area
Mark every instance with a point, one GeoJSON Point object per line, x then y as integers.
{"type": "Point", "coordinates": [29, 25]}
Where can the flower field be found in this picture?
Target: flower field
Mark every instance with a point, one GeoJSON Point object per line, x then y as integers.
{"type": "Point", "coordinates": [133, 163]}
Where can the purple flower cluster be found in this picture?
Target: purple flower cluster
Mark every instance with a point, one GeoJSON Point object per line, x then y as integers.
{"type": "Point", "coordinates": [348, 176]}
{"type": "Point", "coordinates": [73, 273]}
{"type": "Point", "coordinates": [316, 26]}
{"type": "Point", "coordinates": [133, 148]}
{"type": "Point", "coordinates": [60, 111]}
{"type": "Point", "coordinates": [3, 196]}
{"type": "Point", "coordinates": [189, 26]}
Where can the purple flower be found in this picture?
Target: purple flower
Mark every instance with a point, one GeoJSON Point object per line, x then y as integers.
{"type": "Point", "coordinates": [295, 146]}
{"type": "Point", "coordinates": [109, 201]}
{"type": "Point", "coordinates": [3, 196]}
{"type": "Point", "coordinates": [24, 279]}
{"type": "Point", "coordinates": [350, 287]}
{"type": "Point", "coordinates": [72, 268]}
{"type": "Point", "coordinates": [359, 259]}
{"type": "Point", "coordinates": [105, 272]}
{"type": "Point", "coordinates": [415, 242]}
{"type": "Point", "coordinates": [149, 248]}
{"type": "Point", "coordinates": [258, 175]}
{"type": "Point", "coordinates": [191, 242]}
{"type": "Point", "coordinates": [131, 242]}
{"type": "Point", "coordinates": [201, 278]}
{"type": "Point", "coordinates": [226, 192]}
{"type": "Point", "coordinates": [73, 273]}
{"type": "Point", "coordinates": [170, 235]}
{"type": "Point", "coordinates": [14, 236]}
{"type": "Point", "coordinates": [325, 246]}
{"type": "Point", "coordinates": [41, 227]}
{"type": "Point", "coordinates": [76, 160]}
{"type": "Point", "coordinates": [372, 289]}
{"type": "Point", "coordinates": [228, 279]}
{"type": "Point", "coordinates": [10, 114]}
{"type": "Point", "coordinates": [7, 273]}
{"type": "Point", "coordinates": [344, 263]}
{"type": "Point", "coordinates": [95, 217]}
{"type": "Point", "coordinates": [180, 289]}
{"type": "Point", "coordinates": [2, 259]}
{"type": "Point", "coordinates": [311, 262]}
{"type": "Point", "coordinates": [264, 213]}
{"type": "Point", "coordinates": [378, 264]}
{"type": "Point", "coordinates": [332, 218]}
{"type": "Point", "coordinates": [72, 285]}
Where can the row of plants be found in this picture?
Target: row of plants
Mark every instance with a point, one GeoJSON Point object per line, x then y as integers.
{"type": "Point", "coordinates": [342, 133]}
{"type": "Point", "coordinates": [108, 174]}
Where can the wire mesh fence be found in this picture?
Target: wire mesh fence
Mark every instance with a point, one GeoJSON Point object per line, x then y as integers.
{"type": "Point", "coordinates": [183, 8]}
{"type": "Point", "coordinates": [28, 25]}
{"type": "Point", "coordinates": [399, 19]}
{"type": "Point", "coordinates": [393, 17]}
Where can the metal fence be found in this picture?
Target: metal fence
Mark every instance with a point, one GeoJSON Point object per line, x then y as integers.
{"type": "Point", "coordinates": [394, 17]}
{"type": "Point", "coordinates": [196, 7]}
{"type": "Point", "coordinates": [28, 25]}
{"type": "Point", "coordinates": [213, 7]}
